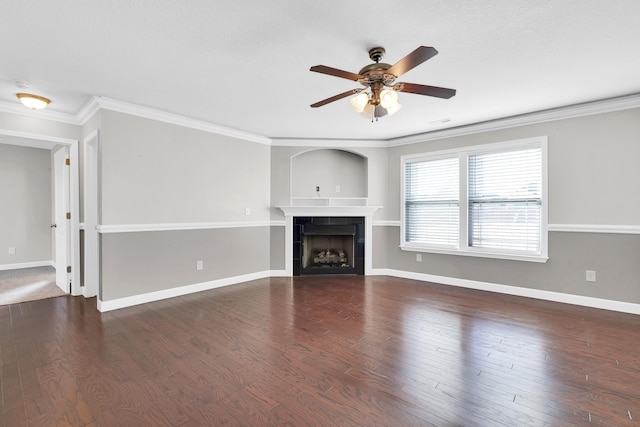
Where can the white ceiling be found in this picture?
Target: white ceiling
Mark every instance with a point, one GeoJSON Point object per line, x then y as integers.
{"type": "Point", "coordinates": [245, 64]}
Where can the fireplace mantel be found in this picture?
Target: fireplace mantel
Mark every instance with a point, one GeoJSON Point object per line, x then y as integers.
{"type": "Point", "coordinates": [329, 207]}
{"type": "Point", "coordinates": [291, 211]}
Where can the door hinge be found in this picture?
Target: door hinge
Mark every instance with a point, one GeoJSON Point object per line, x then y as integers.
{"type": "Point", "coordinates": [68, 215]}
{"type": "Point", "coordinates": [67, 161]}
{"type": "Point", "coordinates": [68, 269]}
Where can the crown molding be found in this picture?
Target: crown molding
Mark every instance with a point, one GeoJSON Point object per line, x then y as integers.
{"type": "Point", "coordinates": [96, 103]}
{"type": "Point", "coordinates": [87, 111]}
{"type": "Point", "coordinates": [162, 116]}
{"type": "Point", "coordinates": [330, 143]}
{"type": "Point", "coordinates": [15, 108]}
{"type": "Point", "coordinates": [560, 113]}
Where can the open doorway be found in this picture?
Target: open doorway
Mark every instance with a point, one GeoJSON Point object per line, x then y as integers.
{"type": "Point", "coordinates": [63, 211]}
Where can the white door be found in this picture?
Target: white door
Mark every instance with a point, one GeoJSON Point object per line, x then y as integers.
{"type": "Point", "coordinates": [61, 208]}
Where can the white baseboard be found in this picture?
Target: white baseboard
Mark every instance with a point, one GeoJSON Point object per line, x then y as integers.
{"type": "Point", "coordinates": [279, 273]}
{"type": "Point", "coordinates": [624, 307]}
{"type": "Point", "coordinates": [176, 292]}
{"type": "Point", "coordinates": [27, 265]}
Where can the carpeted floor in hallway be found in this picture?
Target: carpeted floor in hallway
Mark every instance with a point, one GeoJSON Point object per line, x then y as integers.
{"type": "Point", "coordinates": [28, 284]}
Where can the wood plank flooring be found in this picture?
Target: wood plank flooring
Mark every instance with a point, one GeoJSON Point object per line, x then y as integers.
{"type": "Point", "coordinates": [320, 351]}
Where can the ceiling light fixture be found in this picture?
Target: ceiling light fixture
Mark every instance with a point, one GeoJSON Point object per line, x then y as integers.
{"type": "Point", "coordinates": [35, 102]}
{"type": "Point", "coordinates": [376, 103]}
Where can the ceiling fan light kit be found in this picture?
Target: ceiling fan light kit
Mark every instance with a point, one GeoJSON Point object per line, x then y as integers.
{"type": "Point", "coordinates": [379, 97]}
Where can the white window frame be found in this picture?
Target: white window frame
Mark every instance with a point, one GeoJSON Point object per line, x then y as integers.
{"type": "Point", "coordinates": [463, 247]}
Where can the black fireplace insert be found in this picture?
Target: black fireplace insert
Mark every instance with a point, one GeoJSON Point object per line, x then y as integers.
{"type": "Point", "coordinates": [328, 245]}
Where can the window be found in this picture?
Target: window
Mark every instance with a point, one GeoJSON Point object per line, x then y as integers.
{"type": "Point", "coordinates": [482, 201]}
{"type": "Point", "coordinates": [432, 202]}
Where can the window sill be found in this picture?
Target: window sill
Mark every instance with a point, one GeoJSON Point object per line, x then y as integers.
{"type": "Point", "coordinates": [476, 253]}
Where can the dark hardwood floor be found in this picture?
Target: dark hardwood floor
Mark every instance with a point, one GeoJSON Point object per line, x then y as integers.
{"type": "Point", "coordinates": [343, 351]}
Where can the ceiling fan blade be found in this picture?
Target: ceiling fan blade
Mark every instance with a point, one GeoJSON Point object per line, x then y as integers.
{"type": "Point", "coordinates": [335, 98]}
{"type": "Point", "coordinates": [335, 72]}
{"type": "Point", "coordinates": [412, 60]}
{"type": "Point", "coordinates": [439, 92]}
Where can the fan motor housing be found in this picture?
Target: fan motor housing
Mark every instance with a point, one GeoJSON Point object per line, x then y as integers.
{"type": "Point", "coordinates": [376, 73]}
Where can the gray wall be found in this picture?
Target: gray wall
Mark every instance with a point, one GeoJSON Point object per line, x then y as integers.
{"type": "Point", "coordinates": [154, 172]}
{"type": "Point", "coordinates": [26, 204]}
{"type": "Point", "coordinates": [276, 249]}
{"type": "Point", "coordinates": [159, 173]}
{"type": "Point", "coordinates": [593, 179]}
{"type": "Point", "coordinates": [138, 263]}
{"type": "Point", "coordinates": [593, 171]}
{"type": "Point", "coordinates": [326, 169]}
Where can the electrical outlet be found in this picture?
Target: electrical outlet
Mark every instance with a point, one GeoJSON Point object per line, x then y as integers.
{"type": "Point", "coordinates": [337, 188]}
{"type": "Point", "coordinates": [12, 251]}
{"type": "Point", "coordinates": [591, 276]}
{"type": "Point", "coordinates": [247, 211]}
{"type": "Point", "coordinates": [419, 257]}
{"type": "Point", "coordinates": [317, 188]}
{"type": "Point", "coordinates": [199, 265]}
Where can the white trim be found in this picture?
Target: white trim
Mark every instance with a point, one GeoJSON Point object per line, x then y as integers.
{"type": "Point", "coordinates": [278, 273]}
{"type": "Point", "coordinates": [386, 223]}
{"type": "Point", "coordinates": [74, 207]}
{"type": "Point", "coordinates": [87, 111]}
{"type": "Point", "coordinates": [329, 143]}
{"type": "Point", "coordinates": [17, 108]}
{"type": "Point", "coordinates": [92, 187]}
{"type": "Point", "coordinates": [179, 291]}
{"type": "Point", "coordinates": [328, 210]}
{"type": "Point", "coordinates": [625, 307]}
{"type": "Point", "coordinates": [595, 228]}
{"type": "Point", "coordinates": [49, 142]}
{"type": "Point", "coordinates": [569, 228]}
{"type": "Point", "coordinates": [31, 264]}
{"type": "Point", "coordinates": [620, 306]}
{"type": "Point", "coordinates": [134, 228]}
{"type": "Point", "coordinates": [561, 113]}
{"type": "Point", "coordinates": [162, 116]}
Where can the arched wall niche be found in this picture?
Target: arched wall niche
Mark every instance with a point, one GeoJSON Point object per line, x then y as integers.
{"type": "Point", "coordinates": [337, 173]}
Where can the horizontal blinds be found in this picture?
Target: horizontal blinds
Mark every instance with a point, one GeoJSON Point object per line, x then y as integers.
{"type": "Point", "coordinates": [505, 200]}
{"type": "Point", "coordinates": [432, 202]}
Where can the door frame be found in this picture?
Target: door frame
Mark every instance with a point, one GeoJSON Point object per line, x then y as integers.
{"type": "Point", "coordinates": [73, 243]}
{"type": "Point", "coordinates": [91, 205]}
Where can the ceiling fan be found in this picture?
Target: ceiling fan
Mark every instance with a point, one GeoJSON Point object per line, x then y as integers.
{"type": "Point", "coordinates": [379, 96]}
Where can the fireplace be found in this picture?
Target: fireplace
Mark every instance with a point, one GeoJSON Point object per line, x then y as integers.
{"type": "Point", "coordinates": [316, 211]}
{"type": "Point", "coordinates": [328, 245]}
